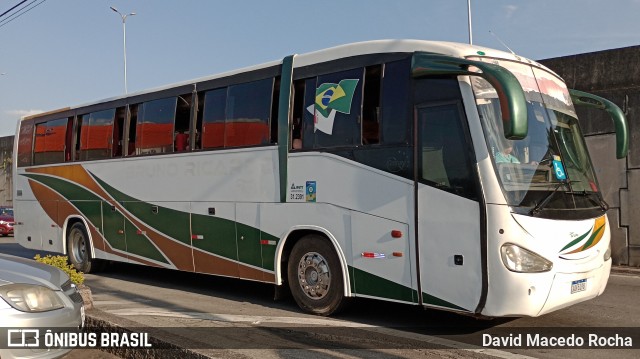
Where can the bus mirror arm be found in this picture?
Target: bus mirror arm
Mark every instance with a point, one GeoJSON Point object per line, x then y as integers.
{"type": "Point", "coordinates": [581, 98]}
{"type": "Point", "coordinates": [513, 104]}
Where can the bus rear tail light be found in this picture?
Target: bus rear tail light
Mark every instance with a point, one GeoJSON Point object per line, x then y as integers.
{"type": "Point", "coordinates": [520, 260]}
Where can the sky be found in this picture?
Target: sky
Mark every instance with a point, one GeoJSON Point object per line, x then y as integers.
{"type": "Point", "coordinates": [69, 52]}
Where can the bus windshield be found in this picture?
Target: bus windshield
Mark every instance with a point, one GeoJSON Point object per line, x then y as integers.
{"type": "Point", "coordinates": [551, 166]}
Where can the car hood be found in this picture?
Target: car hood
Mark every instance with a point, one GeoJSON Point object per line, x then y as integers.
{"type": "Point", "coordinates": [21, 270]}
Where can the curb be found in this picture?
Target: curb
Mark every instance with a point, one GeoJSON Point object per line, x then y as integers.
{"type": "Point", "coordinates": [161, 349]}
{"type": "Point", "coordinates": [625, 270]}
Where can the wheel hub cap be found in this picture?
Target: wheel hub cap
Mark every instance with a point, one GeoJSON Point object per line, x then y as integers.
{"type": "Point", "coordinates": [314, 275]}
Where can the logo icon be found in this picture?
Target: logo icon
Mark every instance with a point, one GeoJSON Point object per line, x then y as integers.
{"type": "Point", "coordinates": [311, 191]}
{"type": "Point", "coordinates": [23, 338]}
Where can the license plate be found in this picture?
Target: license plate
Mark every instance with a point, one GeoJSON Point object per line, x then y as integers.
{"type": "Point", "coordinates": [578, 286]}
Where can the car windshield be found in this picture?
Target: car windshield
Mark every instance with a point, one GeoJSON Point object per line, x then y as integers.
{"type": "Point", "coordinates": [6, 212]}
{"type": "Point", "coordinates": [551, 164]}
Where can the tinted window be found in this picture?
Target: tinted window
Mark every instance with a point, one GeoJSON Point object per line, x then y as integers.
{"type": "Point", "coordinates": [395, 103]}
{"type": "Point", "coordinates": [154, 133]}
{"type": "Point", "coordinates": [213, 118]}
{"type": "Point", "coordinates": [247, 113]}
{"type": "Point", "coordinates": [334, 105]}
{"type": "Point", "coordinates": [25, 143]}
{"type": "Point", "coordinates": [96, 134]}
{"type": "Point", "coordinates": [50, 142]}
{"type": "Point", "coordinates": [443, 152]}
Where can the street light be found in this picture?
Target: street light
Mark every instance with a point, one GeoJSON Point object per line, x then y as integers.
{"type": "Point", "coordinates": [124, 42]}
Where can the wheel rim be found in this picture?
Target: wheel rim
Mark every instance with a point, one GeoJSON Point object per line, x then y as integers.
{"type": "Point", "coordinates": [78, 246]}
{"type": "Point", "coordinates": [314, 275]}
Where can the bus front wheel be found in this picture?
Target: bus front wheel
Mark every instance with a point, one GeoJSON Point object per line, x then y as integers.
{"type": "Point", "coordinates": [315, 276]}
{"type": "Point", "coordinates": [78, 248]}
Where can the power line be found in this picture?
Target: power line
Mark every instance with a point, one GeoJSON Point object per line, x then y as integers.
{"type": "Point", "coordinates": [20, 3]}
{"type": "Point", "coordinates": [20, 12]}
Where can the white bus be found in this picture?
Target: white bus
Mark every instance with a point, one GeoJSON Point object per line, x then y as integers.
{"type": "Point", "coordinates": [438, 174]}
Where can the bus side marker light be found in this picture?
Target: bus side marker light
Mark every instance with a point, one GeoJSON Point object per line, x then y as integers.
{"type": "Point", "coordinates": [120, 231]}
{"type": "Point", "coordinates": [142, 233]}
{"type": "Point", "coordinates": [396, 234]}
{"type": "Point", "coordinates": [267, 242]}
{"type": "Point", "coordinates": [398, 254]}
{"type": "Point", "coordinates": [373, 255]}
{"type": "Point", "coordinates": [197, 236]}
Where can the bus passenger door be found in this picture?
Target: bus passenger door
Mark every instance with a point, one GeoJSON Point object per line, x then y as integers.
{"type": "Point", "coordinates": [448, 209]}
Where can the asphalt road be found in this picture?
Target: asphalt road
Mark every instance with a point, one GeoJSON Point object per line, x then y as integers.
{"type": "Point", "coordinates": [232, 318]}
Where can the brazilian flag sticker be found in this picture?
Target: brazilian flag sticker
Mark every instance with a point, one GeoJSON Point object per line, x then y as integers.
{"type": "Point", "coordinates": [330, 99]}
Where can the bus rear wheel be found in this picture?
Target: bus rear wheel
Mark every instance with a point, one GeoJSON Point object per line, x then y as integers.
{"type": "Point", "coordinates": [315, 276]}
{"type": "Point", "coordinates": [79, 249]}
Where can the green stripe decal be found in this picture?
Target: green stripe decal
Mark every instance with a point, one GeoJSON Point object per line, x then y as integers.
{"type": "Point", "coordinates": [370, 284]}
{"type": "Point", "coordinates": [575, 241]}
{"type": "Point", "coordinates": [219, 234]}
{"type": "Point", "coordinates": [99, 214]}
{"type": "Point", "coordinates": [430, 299]}
{"type": "Point", "coordinates": [592, 238]}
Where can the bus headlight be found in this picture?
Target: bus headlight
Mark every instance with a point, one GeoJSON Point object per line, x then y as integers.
{"type": "Point", "coordinates": [607, 254]}
{"type": "Point", "coordinates": [518, 259]}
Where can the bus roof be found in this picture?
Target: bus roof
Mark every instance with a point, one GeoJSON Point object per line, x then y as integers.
{"type": "Point", "coordinates": [342, 51]}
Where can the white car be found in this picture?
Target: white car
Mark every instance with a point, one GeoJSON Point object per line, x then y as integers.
{"type": "Point", "coordinates": [33, 298]}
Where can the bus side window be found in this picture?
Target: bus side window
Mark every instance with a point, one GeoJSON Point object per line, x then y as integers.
{"type": "Point", "coordinates": [275, 99]}
{"type": "Point", "coordinates": [154, 132]}
{"type": "Point", "coordinates": [118, 131]}
{"type": "Point", "coordinates": [197, 135]}
{"type": "Point", "coordinates": [78, 141]}
{"type": "Point", "coordinates": [333, 109]}
{"type": "Point", "coordinates": [50, 142]}
{"type": "Point", "coordinates": [308, 118]}
{"type": "Point", "coordinates": [371, 105]}
{"type": "Point", "coordinates": [248, 114]}
{"type": "Point", "coordinates": [213, 126]}
{"type": "Point", "coordinates": [298, 112]}
{"type": "Point", "coordinates": [96, 135]}
{"type": "Point", "coordinates": [445, 162]}
{"type": "Point", "coordinates": [182, 123]}
{"type": "Point", "coordinates": [133, 126]}
{"type": "Point", "coordinates": [25, 143]}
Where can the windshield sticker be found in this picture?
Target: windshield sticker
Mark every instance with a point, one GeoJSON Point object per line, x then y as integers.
{"type": "Point", "coordinates": [332, 98]}
{"type": "Point", "coordinates": [558, 169]}
{"type": "Point", "coordinates": [311, 191]}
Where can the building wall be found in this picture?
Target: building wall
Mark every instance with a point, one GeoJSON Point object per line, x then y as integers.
{"type": "Point", "coordinates": [615, 75]}
{"type": "Point", "coordinates": [6, 186]}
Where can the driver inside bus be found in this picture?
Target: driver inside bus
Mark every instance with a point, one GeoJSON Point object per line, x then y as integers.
{"type": "Point", "coordinates": [505, 155]}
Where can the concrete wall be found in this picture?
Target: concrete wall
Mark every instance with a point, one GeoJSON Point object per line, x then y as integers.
{"type": "Point", "coordinates": [6, 186]}
{"type": "Point", "coordinates": [615, 75]}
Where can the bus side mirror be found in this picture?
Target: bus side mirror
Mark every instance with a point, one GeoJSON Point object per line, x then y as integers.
{"type": "Point", "coordinates": [513, 104]}
{"type": "Point", "coordinates": [619, 120]}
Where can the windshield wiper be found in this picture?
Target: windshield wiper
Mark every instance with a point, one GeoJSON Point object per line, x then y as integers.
{"type": "Point", "coordinates": [538, 207]}
{"type": "Point", "coordinates": [592, 196]}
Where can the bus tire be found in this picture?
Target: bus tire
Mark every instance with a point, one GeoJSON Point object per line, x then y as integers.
{"type": "Point", "coordinates": [315, 276]}
{"type": "Point", "coordinates": [79, 248]}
